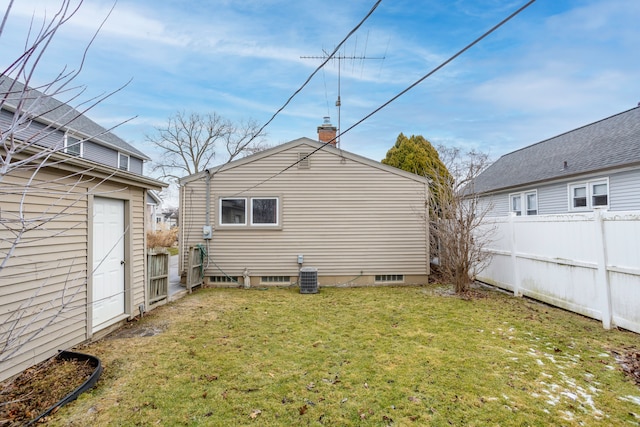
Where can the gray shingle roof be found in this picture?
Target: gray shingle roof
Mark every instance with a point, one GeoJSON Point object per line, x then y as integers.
{"type": "Point", "coordinates": [54, 111]}
{"type": "Point", "coordinates": [608, 143]}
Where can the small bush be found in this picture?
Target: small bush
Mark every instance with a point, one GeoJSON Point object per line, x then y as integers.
{"type": "Point", "coordinates": [162, 238]}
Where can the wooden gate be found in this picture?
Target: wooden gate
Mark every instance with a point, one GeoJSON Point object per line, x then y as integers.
{"type": "Point", "coordinates": [158, 276]}
{"type": "Point", "coordinates": [195, 266]}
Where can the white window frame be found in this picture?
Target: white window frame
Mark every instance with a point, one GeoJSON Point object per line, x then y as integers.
{"type": "Point", "coordinates": [589, 194]}
{"type": "Point", "coordinates": [525, 209]}
{"type": "Point", "coordinates": [79, 144]}
{"type": "Point", "coordinates": [528, 208]}
{"type": "Point", "coordinates": [248, 213]}
{"type": "Point", "coordinates": [120, 157]}
{"type": "Point", "coordinates": [277, 223]}
{"type": "Point", "coordinates": [232, 224]}
{"type": "Point", "coordinates": [512, 197]}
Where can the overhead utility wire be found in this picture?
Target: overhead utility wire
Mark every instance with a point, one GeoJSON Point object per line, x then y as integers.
{"type": "Point", "coordinates": [321, 66]}
{"type": "Point", "coordinates": [337, 48]}
{"type": "Point", "coordinates": [417, 82]}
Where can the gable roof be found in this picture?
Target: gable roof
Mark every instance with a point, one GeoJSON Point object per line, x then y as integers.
{"type": "Point", "coordinates": [56, 112]}
{"type": "Point", "coordinates": [313, 145]}
{"type": "Point", "coordinates": [609, 143]}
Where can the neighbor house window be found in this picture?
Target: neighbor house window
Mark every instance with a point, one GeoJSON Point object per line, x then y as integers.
{"type": "Point", "coordinates": [600, 194]}
{"type": "Point", "coordinates": [532, 203]}
{"type": "Point", "coordinates": [588, 195]}
{"type": "Point", "coordinates": [516, 204]}
{"type": "Point", "coordinates": [233, 211]}
{"type": "Point", "coordinates": [530, 199]}
{"type": "Point", "coordinates": [123, 162]}
{"type": "Point", "coordinates": [264, 211]}
{"type": "Point", "coordinates": [72, 146]}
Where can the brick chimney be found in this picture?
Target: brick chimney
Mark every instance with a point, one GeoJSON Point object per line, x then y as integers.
{"type": "Point", "coordinates": [327, 132]}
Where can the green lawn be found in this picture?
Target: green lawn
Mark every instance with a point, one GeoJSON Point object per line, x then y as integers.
{"type": "Point", "coordinates": [359, 356]}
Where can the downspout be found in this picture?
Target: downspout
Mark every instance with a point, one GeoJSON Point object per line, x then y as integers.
{"type": "Point", "coordinates": [207, 211]}
{"type": "Point", "coordinates": [207, 214]}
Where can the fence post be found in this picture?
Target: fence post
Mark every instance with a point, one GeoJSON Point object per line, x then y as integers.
{"type": "Point", "coordinates": [602, 275]}
{"type": "Point", "coordinates": [514, 259]}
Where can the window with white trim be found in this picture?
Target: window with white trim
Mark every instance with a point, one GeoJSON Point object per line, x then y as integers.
{"type": "Point", "coordinates": [123, 161]}
{"type": "Point", "coordinates": [264, 211]}
{"type": "Point", "coordinates": [72, 146]}
{"type": "Point", "coordinates": [254, 211]}
{"type": "Point", "coordinates": [589, 195]}
{"type": "Point", "coordinates": [530, 200]}
{"type": "Point", "coordinates": [532, 203]}
{"type": "Point", "coordinates": [516, 204]}
{"type": "Point", "coordinates": [233, 211]}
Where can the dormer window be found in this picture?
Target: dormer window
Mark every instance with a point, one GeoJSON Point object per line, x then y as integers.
{"type": "Point", "coordinates": [123, 162]}
{"type": "Point", "coordinates": [72, 145]}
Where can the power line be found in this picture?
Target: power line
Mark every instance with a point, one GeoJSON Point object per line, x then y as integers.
{"type": "Point", "coordinates": [328, 58]}
{"type": "Point", "coordinates": [407, 89]}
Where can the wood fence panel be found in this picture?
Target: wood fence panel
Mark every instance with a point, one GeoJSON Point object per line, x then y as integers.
{"type": "Point", "coordinates": [195, 267]}
{"type": "Point", "coordinates": [157, 276]}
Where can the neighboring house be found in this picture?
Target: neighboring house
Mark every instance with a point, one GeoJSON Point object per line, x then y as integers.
{"type": "Point", "coordinates": [153, 211]}
{"type": "Point", "coordinates": [72, 232]}
{"type": "Point", "coordinates": [307, 204]}
{"type": "Point", "coordinates": [594, 166]}
{"type": "Point", "coordinates": [564, 220]}
{"type": "Point", "coordinates": [167, 219]}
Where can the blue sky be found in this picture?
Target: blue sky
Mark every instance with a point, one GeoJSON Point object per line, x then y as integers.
{"type": "Point", "coordinates": [558, 65]}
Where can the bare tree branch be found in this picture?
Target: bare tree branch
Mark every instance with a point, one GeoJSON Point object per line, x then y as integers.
{"type": "Point", "coordinates": [190, 142]}
{"type": "Point", "coordinates": [457, 238]}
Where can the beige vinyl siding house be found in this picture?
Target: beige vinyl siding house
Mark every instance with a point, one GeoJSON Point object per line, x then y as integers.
{"type": "Point", "coordinates": [357, 221]}
{"type": "Point", "coordinates": [72, 235]}
{"type": "Point", "coordinates": [47, 294]}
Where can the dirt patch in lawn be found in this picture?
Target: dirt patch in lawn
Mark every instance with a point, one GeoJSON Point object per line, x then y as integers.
{"type": "Point", "coordinates": [134, 330]}
{"type": "Point", "coordinates": [38, 388]}
{"type": "Point", "coordinates": [629, 360]}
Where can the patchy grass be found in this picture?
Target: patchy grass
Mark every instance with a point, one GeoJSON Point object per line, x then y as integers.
{"type": "Point", "coordinates": [361, 356]}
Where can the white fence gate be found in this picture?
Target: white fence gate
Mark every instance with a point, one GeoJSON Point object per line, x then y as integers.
{"type": "Point", "coordinates": [588, 263]}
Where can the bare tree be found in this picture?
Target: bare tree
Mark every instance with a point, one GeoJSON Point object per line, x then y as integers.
{"type": "Point", "coordinates": [189, 143]}
{"type": "Point", "coordinates": [43, 191]}
{"type": "Point", "coordinates": [457, 234]}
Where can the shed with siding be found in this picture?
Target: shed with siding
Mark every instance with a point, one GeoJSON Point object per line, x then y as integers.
{"type": "Point", "coordinates": [72, 229]}
{"type": "Point", "coordinates": [307, 204]}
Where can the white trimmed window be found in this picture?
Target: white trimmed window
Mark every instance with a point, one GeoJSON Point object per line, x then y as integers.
{"type": "Point", "coordinates": [233, 211]}
{"type": "Point", "coordinates": [123, 161]}
{"type": "Point", "coordinates": [524, 203]}
{"type": "Point", "coordinates": [531, 200]}
{"type": "Point", "coordinates": [589, 195]}
{"type": "Point", "coordinates": [254, 211]}
{"type": "Point", "coordinates": [72, 146]}
{"type": "Point", "coordinates": [264, 211]}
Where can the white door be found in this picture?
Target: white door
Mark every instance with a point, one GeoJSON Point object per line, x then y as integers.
{"type": "Point", "coordinates": [108, 262]}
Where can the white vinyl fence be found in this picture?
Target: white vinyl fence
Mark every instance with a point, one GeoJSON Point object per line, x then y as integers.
{"type": "Point", "coordinates": [588, 263]}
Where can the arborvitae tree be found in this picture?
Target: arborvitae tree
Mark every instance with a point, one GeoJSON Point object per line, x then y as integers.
{"type": "Point", "coordinates": [416, 155]}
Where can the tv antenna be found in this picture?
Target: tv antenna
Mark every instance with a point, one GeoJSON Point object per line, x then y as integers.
{"type": "Point", "coordinates": [341, 57]}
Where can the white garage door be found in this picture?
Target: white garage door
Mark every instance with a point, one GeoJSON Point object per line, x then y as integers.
{"type": "Point", "coordinates": [108, 262]}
